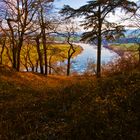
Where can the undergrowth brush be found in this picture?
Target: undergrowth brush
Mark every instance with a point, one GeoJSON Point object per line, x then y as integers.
{"type": "Point", "coordinates": [35, 107]}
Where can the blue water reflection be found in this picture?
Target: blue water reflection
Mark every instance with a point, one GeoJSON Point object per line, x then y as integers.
{"type": "Point", "coordinates": [89, 53]}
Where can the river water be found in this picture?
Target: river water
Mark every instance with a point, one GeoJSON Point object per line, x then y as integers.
{"type": "Point", "coordinates": [89, 54]}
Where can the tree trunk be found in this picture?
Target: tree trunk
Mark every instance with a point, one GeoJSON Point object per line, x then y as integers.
{"type": "Point", "coordinates": [45, 50]}
{"type": "Point", "coordinates": [36, 67]}
{"type": "Point", "coordinates": [18, 52]}
{"type": "Point", "coordinates": [18, 58]}
{"type": "Point", "coordinates": [98, 74]}
{"type": "Point", "coordinates": [3, 47]}
{"type": "Point", "coordinates": [50, 66]}
{"type": "Point", "coordinates": [39, 55]}
{"type": "Point", "coordinates": [70, 54]}
{"type": "Point", "coordinates": [45, 59]}
{"type": "Point", "coordinates": [68, 66]}
{"type": "Point", "coordinates": [14, 52]}
{"type": "Point", "coordinates": [139, 58]}
{"type": "Point", "coordinates": [43, 33]}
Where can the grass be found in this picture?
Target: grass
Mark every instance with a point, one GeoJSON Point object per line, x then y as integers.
{"type": "Point", "coordinates": [62, 50]}
{"type": "Point", "coordinates": [33, 106]}
{"type": "Point", "coordinates": [126, 47]}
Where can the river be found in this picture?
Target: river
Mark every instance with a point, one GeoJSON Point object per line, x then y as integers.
{"type": "Point", "coordinates": [79, 63]}
{"type": "Point", "coordinates": [89, 54]}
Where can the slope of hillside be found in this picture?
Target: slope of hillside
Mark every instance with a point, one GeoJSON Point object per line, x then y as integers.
{"type": "Point", "coordinates": [33, 106]}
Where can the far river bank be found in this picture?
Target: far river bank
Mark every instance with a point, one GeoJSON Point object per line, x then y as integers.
{"type": "Point", "coordinates": [115, 49]}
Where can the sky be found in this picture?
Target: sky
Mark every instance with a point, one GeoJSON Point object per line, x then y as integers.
{"type": "Point", "coordinates": [77, 3]}
{"type": "Point", "coordinates": [73, 3]}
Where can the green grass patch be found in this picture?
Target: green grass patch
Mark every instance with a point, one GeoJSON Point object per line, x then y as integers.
{"type": "Point", "coordinates": [125, 47]}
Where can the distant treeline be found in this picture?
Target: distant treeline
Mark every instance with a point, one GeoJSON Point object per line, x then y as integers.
{"type": "Point", "coordinates": [122, 41]}
{"type": "Point", "coordinates": [128, 40]}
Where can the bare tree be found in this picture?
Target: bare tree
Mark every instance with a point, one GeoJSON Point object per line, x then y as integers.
{"type": "Point", "coordinates": [18, 17]}
{"type": "Point", "coordinates": [45, 26]}
{"type": "Point", "coordinates": [68, 30]}
{"type": "Point", "coordinates": [39, 51]}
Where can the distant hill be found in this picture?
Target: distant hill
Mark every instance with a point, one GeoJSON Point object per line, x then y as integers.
{"type": "Point", "coordinates": [130, 37]}
{"type": "Point", "coordinates": [128, 40]}
{"type": "Point", "coordinates": [132, 33]}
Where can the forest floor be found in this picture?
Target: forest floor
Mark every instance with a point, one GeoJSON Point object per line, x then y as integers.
{"type": "Point", "coordinates": [33, 106]}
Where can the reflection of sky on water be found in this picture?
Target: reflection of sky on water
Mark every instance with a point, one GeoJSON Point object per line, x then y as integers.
{"type": "Point", "coordinates": [89, 54]}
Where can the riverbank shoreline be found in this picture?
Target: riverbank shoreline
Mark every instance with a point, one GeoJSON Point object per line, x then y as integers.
{"type": "Point", "coordinates": [114, 49]}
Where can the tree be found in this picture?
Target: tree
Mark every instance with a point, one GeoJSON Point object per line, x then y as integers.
{"type": "Point", "coordinates": [68, 30]}
{"type": "Point", "coordinates": [29, 58]}
{"type": "Point", "coordinates": [37, 39]}
{"type": "Point", "coordinates": [45, 25]}
{"type": "Point", "coordinates": [53, 52]}
{"type": "Point", "coordinates": [18, 17]}
{"type": "Point", "coordinates": [5, 57]}
{"type": "Point", "coordinates": [95, 14]}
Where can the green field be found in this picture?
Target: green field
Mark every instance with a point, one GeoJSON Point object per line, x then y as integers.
{"type": "Point", "coordinates": [126, 47]}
